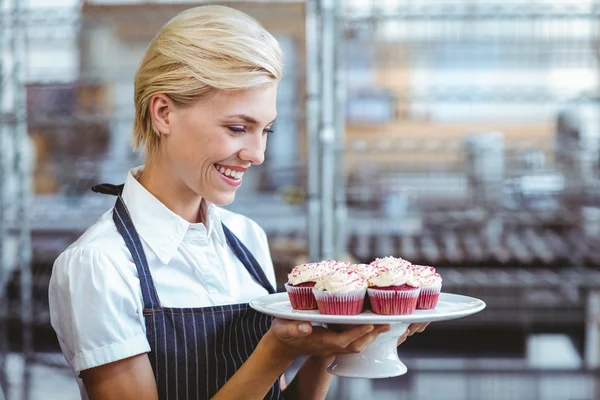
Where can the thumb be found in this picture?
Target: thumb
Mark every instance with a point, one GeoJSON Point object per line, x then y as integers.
{"type": "Point", "coordinates": [286, 330]}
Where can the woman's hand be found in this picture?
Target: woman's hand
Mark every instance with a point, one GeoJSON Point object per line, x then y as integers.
{"type": "Point", "coordinates": [290, 339]}
{"type": "Point", "coordinates": [412, 329]}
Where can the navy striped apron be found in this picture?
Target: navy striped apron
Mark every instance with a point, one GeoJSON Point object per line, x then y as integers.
{"type": "Point", "coordinates": [194, 351]}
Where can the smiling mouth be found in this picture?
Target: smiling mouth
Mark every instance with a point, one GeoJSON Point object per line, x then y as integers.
{"type": "Point", "coordinates": [229, 173]}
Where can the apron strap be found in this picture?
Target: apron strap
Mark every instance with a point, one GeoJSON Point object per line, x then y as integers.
{"type": "Point", "coordinates": [132, 239]}
{"type": "Point", "coordinates": [246, 257]}
{"type": "Point", "coordinates": [107, 188]}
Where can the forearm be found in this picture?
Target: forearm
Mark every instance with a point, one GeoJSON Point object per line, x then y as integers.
{"type": "Point", "coordinates": [312, 380]}
{"type": "Point", "coordinates": [258, 374]}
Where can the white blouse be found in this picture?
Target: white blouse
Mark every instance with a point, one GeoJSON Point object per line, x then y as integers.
{"type": "Point", "coordinates": [95, 296]}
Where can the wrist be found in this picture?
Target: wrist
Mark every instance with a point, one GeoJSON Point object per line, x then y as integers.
{"type": "Point", "coordinates": [276, 350]}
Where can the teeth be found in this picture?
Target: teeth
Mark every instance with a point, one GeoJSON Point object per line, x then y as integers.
{"type": "Point", "coordinates": [229, 172]}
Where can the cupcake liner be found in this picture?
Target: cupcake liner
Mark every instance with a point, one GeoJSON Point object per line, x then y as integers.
{"type": "Point", "coordinates": [393, 302]}
{"type": "Point", "coordinates": [428, 297]}
{"type": "Point", "coordinates": [301, 297]}
{"type": "Point", "coordinates": [335, 303]}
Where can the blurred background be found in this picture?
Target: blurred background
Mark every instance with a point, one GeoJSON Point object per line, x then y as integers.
{"type": "Point", "coordinates": [459, 134]}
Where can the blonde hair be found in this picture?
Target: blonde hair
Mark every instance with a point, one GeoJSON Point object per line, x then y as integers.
{"type": "Point", "coordinates": [201, 50]}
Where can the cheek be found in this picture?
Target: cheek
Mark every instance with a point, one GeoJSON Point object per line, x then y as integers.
{"type": "Point", "coordinates": [225, 147]}
{"type": "Point", "coordinates": [184, 152]}
{"type": "Point", "coordinates": [194, 150]}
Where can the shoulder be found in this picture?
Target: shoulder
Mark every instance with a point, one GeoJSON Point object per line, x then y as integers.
{"type": "Point", "coordinates": [97, 251]}
{"type": "Point", "coordinates": [101, 235]}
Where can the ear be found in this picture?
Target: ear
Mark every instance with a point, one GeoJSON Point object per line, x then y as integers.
{"type": "Point", "coordinates": [161, 109]}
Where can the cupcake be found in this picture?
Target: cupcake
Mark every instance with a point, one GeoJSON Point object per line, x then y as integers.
{"type": "Point", "coordinates": [341, 292]}
{"type": "Point", "coordinates": [394, 291]}
{"type": "Point", "coordinates": [368, 271]}
{"type": "Point", "coordinates": [302, 279]}
{"type": "Point", "coordinates": [431, 286]}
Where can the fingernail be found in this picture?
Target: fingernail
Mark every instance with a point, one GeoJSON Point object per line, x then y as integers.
{"type": "Point", "coordinates": [304, 328]}
{"type": "Point", "coordinates": [369, 328]}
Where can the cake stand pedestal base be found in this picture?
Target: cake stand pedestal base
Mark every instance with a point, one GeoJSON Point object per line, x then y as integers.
{"type": "Point", "coordinates": [378, 360]}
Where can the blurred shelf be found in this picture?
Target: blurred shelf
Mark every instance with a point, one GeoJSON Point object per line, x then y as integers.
{"type": "Point", "coordinates": [9, 262]}
{"type": "Point", "coordinates": [469, 11]}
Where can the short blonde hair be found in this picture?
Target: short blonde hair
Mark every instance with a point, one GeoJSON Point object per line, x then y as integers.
{"type": "Point", "coordinates": [201, 50]}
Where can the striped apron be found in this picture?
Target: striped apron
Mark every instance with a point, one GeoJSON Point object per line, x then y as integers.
{"type": "Point", "coordinates": [194, 351]}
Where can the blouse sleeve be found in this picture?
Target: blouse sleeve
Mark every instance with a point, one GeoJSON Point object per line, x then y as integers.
{"type": "Point", "coordinates": [94, 312]}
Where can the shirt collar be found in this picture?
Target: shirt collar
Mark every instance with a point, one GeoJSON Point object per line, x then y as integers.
{"type": "Point", "coordinates": [215, 226]}
{"type": "Point", "coordinates": [159, 227]}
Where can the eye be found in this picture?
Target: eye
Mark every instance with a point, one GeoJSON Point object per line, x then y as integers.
{"type": "Point", "coordinates": [237, 129]}
{"type": "Point", "coordinates": [268, 131]}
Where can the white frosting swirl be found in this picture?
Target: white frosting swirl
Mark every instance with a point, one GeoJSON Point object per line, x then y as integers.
{"type": "Point", "coordinates": [423, 270]}
{"type": "Point", "coordinates": [395, 276]}
{"type": "Point", "coordinates": [430, 280]}
{"type": "Point", "coordinates": [427, 276]}
{"type": "Point", "coordinates": [366, 270]}
{"type": "Point", "coordinates": [341, 281]}
{"type": "Point", "coordinates": [391, 262]}
{"type": "Point", "coordinates": [312, 271]}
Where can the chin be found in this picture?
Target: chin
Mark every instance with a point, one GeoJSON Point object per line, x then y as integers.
{"type": "Point", "coordinates": [222, 199]}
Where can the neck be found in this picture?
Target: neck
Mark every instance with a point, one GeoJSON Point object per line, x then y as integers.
{"type": "Point", "coordinates": [173, 193]}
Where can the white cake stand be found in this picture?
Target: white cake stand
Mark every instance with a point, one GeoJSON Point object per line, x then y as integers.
{"type": "Point", "coordinates": [380, 358]}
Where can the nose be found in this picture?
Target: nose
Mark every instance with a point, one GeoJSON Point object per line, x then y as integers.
{"type": "Point", "coordinates": [254, 149]}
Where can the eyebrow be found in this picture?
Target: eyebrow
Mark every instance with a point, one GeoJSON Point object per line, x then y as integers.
{"type": "Point", "coordinates": [247, 118]}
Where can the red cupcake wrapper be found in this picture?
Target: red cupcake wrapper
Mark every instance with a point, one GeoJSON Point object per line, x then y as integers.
{"type": "Point", "coordinates": [393, 302]}
{"type": "Point", "coordinates": [428, 298]}
{"type": "Point", "coordinates": [301, 297]}
{"type": "Point", "coordinates": [333, 303]}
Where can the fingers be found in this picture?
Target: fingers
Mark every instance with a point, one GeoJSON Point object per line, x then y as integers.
{"type": "Point", "coordinates": [344, 339]}
{"type": "Point", "coordinates": [360, 344]}
{"type": "Point", "coordinates": [411, 330]}
{"type": "Point", "coordinates": [417, 327]}
{"type": "Point", "coordinates": [403, 338]}
{"type": "Point", "coordinates": [286, 330]}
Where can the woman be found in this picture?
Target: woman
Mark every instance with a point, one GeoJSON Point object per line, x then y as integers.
{"type": "Point", "coordinates": [151, 301]}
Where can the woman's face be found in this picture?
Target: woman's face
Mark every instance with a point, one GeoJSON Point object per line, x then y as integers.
{"type": "Point", "coordinates": [210, 145]}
